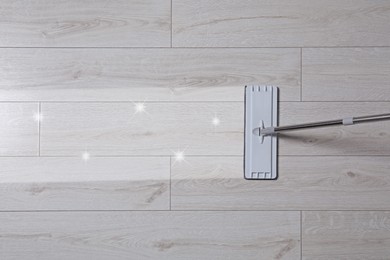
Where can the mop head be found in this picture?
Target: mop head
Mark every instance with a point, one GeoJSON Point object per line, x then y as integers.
{"type": "Point", "coordinates": [260, 152]}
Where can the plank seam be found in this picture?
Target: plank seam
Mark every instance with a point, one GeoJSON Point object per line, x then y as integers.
{"type": "Point", "coordinates": [170, 183]}
{"type": "Point", "coordinates": [39, 128]}
{"type": "Point", "coordinates": [194, 156]}
{"type": "Point", "coordinates": [198, 210]}
{"type": "Point", "coordinates": [184, 102]}
{"type": "Point", "coordinates": [301, 76]}
{"type": "Point", "coordinates": [301, 233]}
{"type": "Point", "coordinates": [171, 22]}
{"type": "Point", "coordinates": [188, 47]}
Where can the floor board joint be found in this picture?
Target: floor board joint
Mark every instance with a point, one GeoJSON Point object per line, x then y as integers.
{"type": "Point", "coordinates": [301, 76]}
{"type": "Point", "coordinates": [39, 128]}
{"type": "Point", "coordinates": [301, 233]}
{"type": "Point", "coordinates": [170, 182]}
{"type": "Point", "coordinates": [171, 22]}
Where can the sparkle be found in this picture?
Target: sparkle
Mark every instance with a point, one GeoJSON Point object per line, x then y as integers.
{"type": "Point", "coordinates": [86, 156]}
{"type": "Point", "coordinates": [216, 121]}
{"type": "Point", "coordinates": [38, 117]}
{"type": "Point", "coordinates": [139, 107]}
{"type": "Point", "coordinates": [179, 156]}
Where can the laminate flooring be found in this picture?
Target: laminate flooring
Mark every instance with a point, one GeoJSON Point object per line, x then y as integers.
{"type": "Point", "coordinates": [121, 129]}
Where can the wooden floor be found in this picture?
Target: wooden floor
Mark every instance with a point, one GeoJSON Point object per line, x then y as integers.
{"type": "Point", "coordinates": [84, 175]}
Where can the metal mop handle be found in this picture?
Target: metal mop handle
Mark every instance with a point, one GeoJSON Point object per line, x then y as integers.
{"type": "Point", "coordinates": [345, 121]}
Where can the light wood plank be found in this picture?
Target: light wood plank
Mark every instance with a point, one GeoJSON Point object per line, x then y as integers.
{"type": "Point", "coordinates": [74, 184]}
{"type": "Point", "coordinates": [304, 183]}
{"type": "Point", "coordinates": [18, 129]}
{"type": "Point", "coordinates": [145, 74]}
{"type": "Point", "coordinates": [88, 23]}
{"type": "Point", "coordinates": [346, 235]}
{"type": "Point", "coordinates": [364, 139]}
{"type": "Point", "coordinates": [164, 128]}
{"type": "Point", "coordinates": [280, 23]}
{"type": "Point", "coordinates": [346, 74]}
{"type": "Point", "coordinates": [150, 235]}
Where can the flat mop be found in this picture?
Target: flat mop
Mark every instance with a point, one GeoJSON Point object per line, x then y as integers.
{"type": "Point", "coordinates": [261, 129]}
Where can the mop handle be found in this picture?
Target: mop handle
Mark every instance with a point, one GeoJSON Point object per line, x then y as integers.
{"type": "Point", "coordinates": [345, 121]}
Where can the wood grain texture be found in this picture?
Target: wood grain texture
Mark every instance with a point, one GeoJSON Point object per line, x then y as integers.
{"type": "Point", "coordinates": [346, 74]}
{"type": "Point", "coordinates": [73, 184]}
{"type": "Point", "coordinates": [304, 183]}
{"type": "Point", "coordinates": [364, 139]}
{"type": "Point", "coordinates": [18, 129]}
{"type": "Point", "coordinates": [87, 23]}
{"type": "Point", "coordinates": [281, 23]}
{"type": "Point", "coordinates": [145, 74]}
{"type": "Point", "coordinates": [346, 235]}
{"type": "Point", "coordinates": [150, 235]}
{"type": "Point", "coordinates": [87, 64]}
{"type": "Point", "coordinates": [163, 129]}
{"type": "Point", "coordinates": [115, 129]}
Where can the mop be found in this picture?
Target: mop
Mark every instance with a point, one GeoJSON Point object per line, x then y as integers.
{"type": "Point", "coordinates": [261, 129]}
